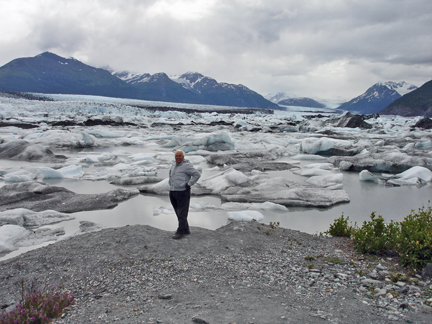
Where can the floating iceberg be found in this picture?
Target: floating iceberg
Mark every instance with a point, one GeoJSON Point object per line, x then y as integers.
{"type": "Point", "coordinates": [245, 215]}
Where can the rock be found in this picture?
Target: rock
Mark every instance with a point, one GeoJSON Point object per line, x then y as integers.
{"type": "Point", "coordinates": [164, 296]}
{"type": "Point", "coordinates": [135, 181]}
{"type": "Point", "coordinates": [372, 283]}
{"type": "Point", "coordinates": [353, 121]}
{"type": "Point", "coordinates": [25, 151]}
{"type": "Point", "coordinates": [86, 227]}
{"type": "Point", "coordinates": [426, 309]}
{"type": "Point", "coordinates": [238, 158]}
{"type": "Point", "coordinates": [425, 123]}
{"type": "Point", "coordinates": [397, 162]}
{"type": "Point", "coordinates": [427, 271]}
{"type": "Point", "coordinates": [374, 275]}
{"type": "Point", "coordinates": [199, 320]}
{"type": "Point", "coordinates": [39, 196]}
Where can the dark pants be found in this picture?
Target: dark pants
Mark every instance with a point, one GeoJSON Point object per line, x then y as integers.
{"type": "Point", "coordinates": [180, 201]}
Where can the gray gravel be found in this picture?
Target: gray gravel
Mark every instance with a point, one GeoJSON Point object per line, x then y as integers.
{"type": "Point", "coordinates": [245, 272]}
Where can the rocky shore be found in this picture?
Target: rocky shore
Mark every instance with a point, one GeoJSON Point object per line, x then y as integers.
{"type": "Point", "coordinates": [245, 272]}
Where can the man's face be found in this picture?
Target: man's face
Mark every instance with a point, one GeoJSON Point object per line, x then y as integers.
{"type": "Point", "coordinates": [179, 157]}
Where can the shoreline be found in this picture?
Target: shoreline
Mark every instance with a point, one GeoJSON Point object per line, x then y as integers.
{"type": "Point", "coordinates": [244, 272]}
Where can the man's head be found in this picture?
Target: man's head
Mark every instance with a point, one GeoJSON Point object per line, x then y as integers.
{"type": "Point", "coordinates": [179, 156]}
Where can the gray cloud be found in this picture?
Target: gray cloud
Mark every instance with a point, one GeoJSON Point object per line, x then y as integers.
{"type": "Point", "coordinates": [328, 49]}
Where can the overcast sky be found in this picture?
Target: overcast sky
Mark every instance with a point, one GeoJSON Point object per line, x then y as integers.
{"type": "Point", "coordinates": [316, 48]}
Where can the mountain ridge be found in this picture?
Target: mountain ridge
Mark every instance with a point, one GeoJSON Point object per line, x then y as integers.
{"type": "Point", "coordinates": [50, 73]}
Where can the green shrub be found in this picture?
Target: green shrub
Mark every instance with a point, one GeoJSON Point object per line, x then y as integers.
{"type": "Point", "coordinates": [340, 227]}
{"type": "Point", "coordinates": [415, 239]}
{"type": "Point", "coordinates": [375, 236]}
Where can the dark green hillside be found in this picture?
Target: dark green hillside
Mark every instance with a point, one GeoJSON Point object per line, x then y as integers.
{"type": "Point", "coordinates": [415, 103]}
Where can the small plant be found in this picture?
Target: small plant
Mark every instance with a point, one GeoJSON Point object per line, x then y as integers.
{"type": "Point", "coordinates": [361, 273]}
{"type": "Point", "coordinates": [415, 239]}
{"type": "Point", "coordinates": [309, 258]}
{"type": "Point", "coordinates": [274, 225]}
{"type": "Point", "coordinates": [340, 227]}
{"type": "Point", "coordinates": [333, 259]}
{"type": "Point", "coordinates": [375, 236]}
{"type": "Point", "coordinates": [38, 307]}
{"type": "Point", "coordinates": [396, 276]}
{"type": "Point", "coordinates": [311, 266]}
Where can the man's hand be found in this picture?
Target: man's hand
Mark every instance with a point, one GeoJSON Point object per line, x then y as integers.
{"type": "Point", "coordinates": [187, 187]}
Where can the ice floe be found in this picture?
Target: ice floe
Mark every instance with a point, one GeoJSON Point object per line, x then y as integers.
{"type": "Point", "coordinates": [87, 138]}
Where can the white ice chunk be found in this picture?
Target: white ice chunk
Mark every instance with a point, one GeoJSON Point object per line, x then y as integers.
{"type": "Point", "coordinates": [345, 165]}
{"type": "Point", "coordinates": [416, 172]}
{"type": "Point", "coordinates": [316, 171]}
{"type": "Point", "coordinates": [366, 175]}
{"type": "Point", "coordinates": [309, 157]}
{"type": "Point", "coordinates": [330, 181]}
{"type": "Point", "coordinates": [245, 215]}
{"type": "Point", "coordinates": [324, 166]}
{"type": "Point", "coordinates": [263, 206]}
{"type": "Point", "coordinates": [10, 235]}
{"type": "Point", "coordinates": [26, 217]}
{"type": "Point", "coordinates": [201, 205]}
{"type": "Point", "coordinates": [20, 176]}
{"type": "Point", "coordinates": [315, 145]}
{"type": "Point", "coordinates": [68, 172]}
{"type": "Point", "coordinates": [145, 158]}
{"type": "Point", "coordinates": [105, 133]}
{"type": "Point", "coordinates": [423, 144]}
{"type": "Point", "coordinates": [221, 181]}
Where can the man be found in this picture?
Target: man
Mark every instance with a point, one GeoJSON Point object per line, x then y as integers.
{"type": "Point", "coordinates": [182, 176]}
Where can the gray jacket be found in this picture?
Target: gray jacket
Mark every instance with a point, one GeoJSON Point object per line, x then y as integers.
{"type": "Point", "coordinates": [181, 175]}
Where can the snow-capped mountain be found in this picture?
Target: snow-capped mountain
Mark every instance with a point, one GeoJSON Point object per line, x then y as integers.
{"type": "Point", "coordinates": [377, 97]}
{"type": "Point", "coordinates": [193, 87]}
{"type": "Point", "coordinates": [221, 93]}
{"type": "Point", "coordinates": [132, 78]}
{"type": "Point", "coordinates": [277, 97]}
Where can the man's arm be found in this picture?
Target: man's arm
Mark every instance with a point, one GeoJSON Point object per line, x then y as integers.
{"type": "Point", "coordinates": [195, 175]}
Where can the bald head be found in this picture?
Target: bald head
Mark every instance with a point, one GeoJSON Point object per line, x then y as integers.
{"type": "Point", "coordinates": [179, 156]}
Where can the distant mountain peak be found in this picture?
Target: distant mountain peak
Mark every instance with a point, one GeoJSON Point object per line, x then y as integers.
{"type": "Point", "coordinates": [377, 97]}
{"type": "Point", "coordinates": [400, 87]}
{"type": "Point", "coordinates": [277, 97]}
{"type": "Point", "coordinates": [301, 102]}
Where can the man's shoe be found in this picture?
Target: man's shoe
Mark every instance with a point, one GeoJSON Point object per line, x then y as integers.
{"type": "Point", "coordinates": [177, 236]}
{"type": "Point", "coordinates": [187, 232]}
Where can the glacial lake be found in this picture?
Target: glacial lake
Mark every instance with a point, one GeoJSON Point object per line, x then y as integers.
{"type": "Point", "coordinates": [393, 203]}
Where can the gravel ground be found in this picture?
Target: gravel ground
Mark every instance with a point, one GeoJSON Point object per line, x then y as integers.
{"type": "Point", "coordinates": [245, 272]}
